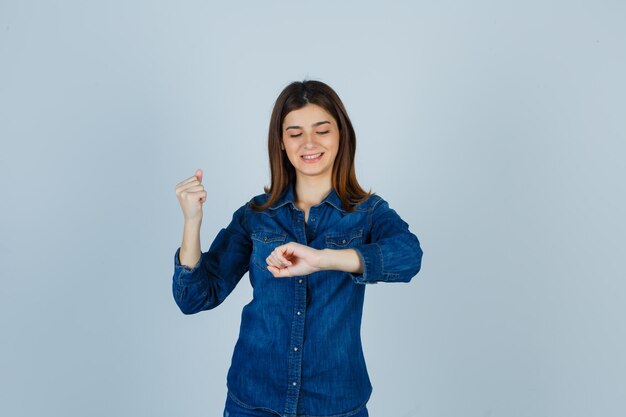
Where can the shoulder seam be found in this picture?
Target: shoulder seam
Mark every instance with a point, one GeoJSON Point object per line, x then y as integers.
{"type": "Point", "coordinates": [245, 214]}
{"type": "Point", "coordinates": [379, 201]}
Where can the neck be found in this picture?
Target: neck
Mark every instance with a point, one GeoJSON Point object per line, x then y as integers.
{"type": "Point", "coordinates": [311, 191]}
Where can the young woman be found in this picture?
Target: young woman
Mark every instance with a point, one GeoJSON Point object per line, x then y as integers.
{"type": "Point", "coordinates": [310, 244]}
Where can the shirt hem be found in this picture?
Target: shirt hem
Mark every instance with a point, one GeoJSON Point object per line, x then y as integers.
{"type": "Point", "coordinates": [346, 414]}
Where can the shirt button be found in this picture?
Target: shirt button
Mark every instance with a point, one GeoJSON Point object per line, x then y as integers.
{"type": "Point", "coordinates": [343, 241]}
{"type": "Point", "coordinates": [294, 383]}
{"type": "Point", "coordinates": [300, 280]}
{"type": "Point", "coordinates": [295, 349]}
{"type": "Point", "coordinates": [265, 239]}
{"type": "Point", "coordinates": [298, 313]}
{"type": "Point", "coordinates": [312, 220]}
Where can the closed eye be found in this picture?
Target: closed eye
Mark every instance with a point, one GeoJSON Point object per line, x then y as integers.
{"type": "Point", "coordinates": [300, 134]}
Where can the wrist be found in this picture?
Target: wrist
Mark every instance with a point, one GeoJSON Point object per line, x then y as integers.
{"type": "Point", "coordinates": [325, 260]}
{"type": "Point", "coordinates": [192, 224]}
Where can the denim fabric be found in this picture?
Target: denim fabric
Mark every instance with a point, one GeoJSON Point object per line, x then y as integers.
{"type": "Point", "coordinates": [233, 408]}
{"type": "Point", "coordinates": [299, 349]}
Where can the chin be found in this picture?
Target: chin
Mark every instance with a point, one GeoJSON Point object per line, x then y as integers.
{"type": "Point", "coordinates": [313, 172]}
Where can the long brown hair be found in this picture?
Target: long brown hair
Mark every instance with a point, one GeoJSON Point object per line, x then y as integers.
{"type": "Point", "coordinates": [293, 97]}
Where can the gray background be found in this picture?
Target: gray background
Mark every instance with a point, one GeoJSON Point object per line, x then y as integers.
{"type": "Point", "coordinates": [495, 129]}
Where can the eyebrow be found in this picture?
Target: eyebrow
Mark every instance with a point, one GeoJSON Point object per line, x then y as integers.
{"type": "Point", "coordinates": [313, 125]}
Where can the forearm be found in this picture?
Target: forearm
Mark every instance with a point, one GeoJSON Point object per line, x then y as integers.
{"type": "Point", "coordinates": [347, 260]}
{"type": "Point", "coordinates": [190, 247]}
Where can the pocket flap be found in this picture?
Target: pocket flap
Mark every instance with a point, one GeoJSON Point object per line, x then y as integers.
{"type": "Point", "coordinates": [267, 236]}
{"type": "Point", "coordinates": [345, 238]}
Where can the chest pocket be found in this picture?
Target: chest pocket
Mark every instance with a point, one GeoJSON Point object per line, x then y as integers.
{"type": "Point", "coordinates": [263, 243]}
{"type": "Point", "coordinates": [344, 240]}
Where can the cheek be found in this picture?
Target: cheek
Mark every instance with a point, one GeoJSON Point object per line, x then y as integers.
{"type": "Point", "coordinates": [289, 151]}
{"type": "Point", "coordinates": [333, 146]}
{"type": "Point", "coordinates": [293, 157]}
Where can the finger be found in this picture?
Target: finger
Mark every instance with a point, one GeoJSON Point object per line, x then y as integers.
{"type": "Point", "coordinates": [184, 187]}
{"type": "Point", "coordinates": [289, 251]}
{"type": "Point", "coordinates": [194, 196]}
{"type": "Point", "coordinates": [199, 174]}
{"type": "Point", "coordinates": [193, 188]}
{"type": "Point", "coordinates": [281, 257]}
{"type": "Point", "coordinates": [186, 181]}
{"type": "Point", "coordinates": [273, 260]}
{"type": "Point", "coordinates": [276, 265]}
{"type": "Point", "coordinates": [279, 273]}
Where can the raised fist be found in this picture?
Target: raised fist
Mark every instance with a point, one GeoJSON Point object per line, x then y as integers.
{"type": "Point", "coordinates": [191, 195]}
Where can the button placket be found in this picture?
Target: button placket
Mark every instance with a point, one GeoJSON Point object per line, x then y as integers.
{"type": "Point", "coordinates": [297, 327]}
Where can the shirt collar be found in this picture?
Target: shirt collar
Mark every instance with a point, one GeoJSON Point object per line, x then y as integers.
{"type": "Point", "coordinates": [288, 197]}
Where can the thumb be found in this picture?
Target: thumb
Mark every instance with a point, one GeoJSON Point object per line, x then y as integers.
{"type": "Point", "coordinates": [199, 174]}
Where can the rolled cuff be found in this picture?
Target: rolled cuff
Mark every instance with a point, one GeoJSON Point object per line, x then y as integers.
{"type": "Point", "coordinates": [372, 257]}
{"type": "Point", "coordinates": [183, 273]}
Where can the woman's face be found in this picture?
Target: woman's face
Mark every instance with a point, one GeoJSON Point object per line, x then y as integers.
{"type": "Point", "coordinates": [311, 130]}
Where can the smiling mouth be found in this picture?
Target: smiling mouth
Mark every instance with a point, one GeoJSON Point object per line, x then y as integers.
{"type": "Point", "coordinates": [313, 157]}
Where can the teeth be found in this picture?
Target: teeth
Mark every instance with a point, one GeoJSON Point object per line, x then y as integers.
{"type": "Point", "coordinates": [311, 156]}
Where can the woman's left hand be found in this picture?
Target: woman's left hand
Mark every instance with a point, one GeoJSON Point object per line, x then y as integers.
{"type": "Point", "coordinates": [293, 259]}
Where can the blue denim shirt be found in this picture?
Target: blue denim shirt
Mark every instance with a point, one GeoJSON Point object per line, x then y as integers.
{"type": "Point", "coordinates": [299, 348]}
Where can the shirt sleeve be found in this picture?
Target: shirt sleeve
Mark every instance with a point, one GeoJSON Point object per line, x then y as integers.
{"type": "Point", "coordinates": [393, 254]}
{"type": "Point", "coordinates": [217, 272]}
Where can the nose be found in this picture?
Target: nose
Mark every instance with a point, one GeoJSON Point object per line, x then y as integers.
{"type": "Point", "coordinates": [310, 142]}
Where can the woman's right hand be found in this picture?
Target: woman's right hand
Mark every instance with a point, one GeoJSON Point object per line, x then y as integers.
{"type": "Point", "coordinates": [191, 195]}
